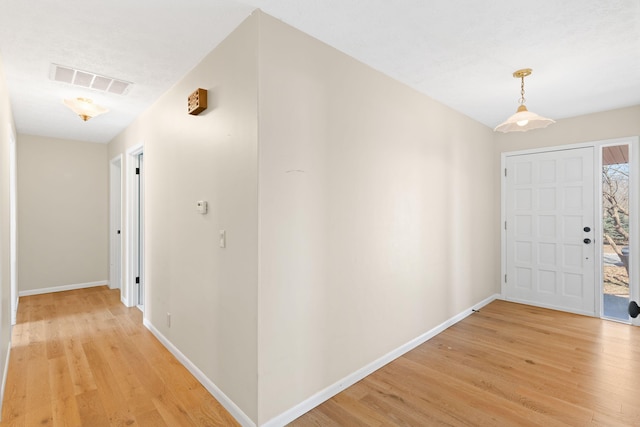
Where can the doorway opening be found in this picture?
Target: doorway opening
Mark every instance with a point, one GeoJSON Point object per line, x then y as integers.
{"type": "Point", "coordinates": [616, 210]}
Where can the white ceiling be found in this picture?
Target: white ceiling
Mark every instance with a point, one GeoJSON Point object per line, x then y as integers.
{"type": "Point", "coordinates": [585, 54]}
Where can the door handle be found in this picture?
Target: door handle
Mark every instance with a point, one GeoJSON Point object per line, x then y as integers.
{"type": "Point", "coordinates": [634, 309]}
{"type": "Point", "coordinates": [587, 241]}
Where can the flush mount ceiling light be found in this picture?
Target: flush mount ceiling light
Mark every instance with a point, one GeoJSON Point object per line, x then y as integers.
{"type": "Point", "coordinates": [84, 107]}
{"type": "Point", "coordinates": [523, 120]}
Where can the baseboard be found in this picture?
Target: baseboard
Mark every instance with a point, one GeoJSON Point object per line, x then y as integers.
{"type": "Point", "coordinates": [4, 378]}
{"type": "Point", "coordinates": [550, 307]}
{"type": "Point", "coordinates": [124, 300]}
{"type": "Point", "coordinates": [61, 288]}
{"type": "Point", "coordinates": [228, 404]}
{"type": "Point", "coordinates": [14, 313]}
{"type": "Point", "coordinates": [324, 395]}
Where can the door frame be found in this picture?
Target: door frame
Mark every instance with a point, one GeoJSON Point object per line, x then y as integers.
{"type": "Point", "coordinates": [634, 223]}
{"type": "Point", "coordinates": [115, 222]}
{"type": "Point", "coordinates": [131, 212]}
{"type": "Point", "coordinates": [13, 226]}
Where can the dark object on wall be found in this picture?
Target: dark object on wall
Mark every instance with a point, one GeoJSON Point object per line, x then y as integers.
{"type": "Point", "coordinates": [634, 309]}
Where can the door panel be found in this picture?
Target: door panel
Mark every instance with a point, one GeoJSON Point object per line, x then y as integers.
{"type": "Point", "coordinates": [549, 202]}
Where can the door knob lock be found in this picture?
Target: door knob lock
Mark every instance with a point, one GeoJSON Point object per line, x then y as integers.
{"type": "Point", "coordinates": [587, 241]}
{"type": "Point", "coordinates": [587, 229]}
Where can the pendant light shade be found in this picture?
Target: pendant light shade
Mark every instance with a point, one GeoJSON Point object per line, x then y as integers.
{"type": "Point", "coordinates": [523, 120]}
{"type": "Point", "coordinates": [85, 108]}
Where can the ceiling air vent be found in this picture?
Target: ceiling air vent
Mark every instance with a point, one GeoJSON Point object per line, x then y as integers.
{"type": "Point", "coordinates": [88, 80]}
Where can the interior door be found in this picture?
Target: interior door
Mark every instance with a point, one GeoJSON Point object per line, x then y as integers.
{"type": "Point", "coordinates": [549, 232]}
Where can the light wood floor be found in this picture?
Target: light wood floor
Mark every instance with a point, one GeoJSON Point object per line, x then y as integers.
{"type": "Point", "coordinates": [508, 365]}
{"type": "Point", "coordinates": [80, 358]}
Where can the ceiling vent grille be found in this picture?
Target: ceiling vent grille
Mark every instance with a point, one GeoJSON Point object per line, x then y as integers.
{"type": "Point", "coordinates": [88, 80]}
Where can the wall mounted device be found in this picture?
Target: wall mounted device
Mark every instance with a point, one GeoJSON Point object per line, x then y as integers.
{"type": "Point", "coordinates": [202, 206]}
{"type": "Point", "coordinates": [197, 102]}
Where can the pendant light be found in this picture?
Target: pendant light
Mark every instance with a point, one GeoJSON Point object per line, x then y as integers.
{"type": "Point", "coordinates": [523, 120]}
{"type": "Point", "coordinates": [84, 107]}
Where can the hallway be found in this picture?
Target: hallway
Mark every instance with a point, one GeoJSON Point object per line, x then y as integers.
{"type": "Point", "coordinates": [81, 358]}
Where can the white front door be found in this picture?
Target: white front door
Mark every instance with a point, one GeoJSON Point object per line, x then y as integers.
{"type": "Point", "coordinates": [550, 226]}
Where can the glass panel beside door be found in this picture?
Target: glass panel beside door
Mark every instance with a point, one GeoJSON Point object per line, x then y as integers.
{"type": "Point", "coordinates": [615, 229]}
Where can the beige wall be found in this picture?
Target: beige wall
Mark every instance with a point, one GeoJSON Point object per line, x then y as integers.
{"type": "Point", "coordinates": [358, 214]}
{"type": "Point", "coordinates": [376, 216]}
{"type": "Point", "coordinates": [7, 133]}
{"type": "Point", "coordinates": [210, 292]}
{"type": "Point", "coordinates": [62, 207]}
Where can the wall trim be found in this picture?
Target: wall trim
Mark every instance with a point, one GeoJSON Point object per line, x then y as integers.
{"type": "Point", "coordinates": [224, 400]}
{"type": "Point", "coordinates": [4, 378]}
{"type": "Point", "coordinates": [128, 288]}
{"type": "Point", "coordinates": [14, 313]}
{"type": "Point", "coordinates": [115, 222]}
{"type": "Point", "coordinates": [324, 395]}
{"type": "Point", "coordinates": [62, 288]}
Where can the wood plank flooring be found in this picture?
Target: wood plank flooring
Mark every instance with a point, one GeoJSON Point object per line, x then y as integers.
{"type": "Point", "coordinates": [507, 365]}
{"type": "Point", "coordinates": [80, 358]}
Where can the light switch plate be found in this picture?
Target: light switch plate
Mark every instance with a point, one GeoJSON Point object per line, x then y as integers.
{"type": "Point", "coordinates": [223, 238]}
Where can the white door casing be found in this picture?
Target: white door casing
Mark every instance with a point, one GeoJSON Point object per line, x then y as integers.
{"type": "Point", "coordinates": [13, 228]}
{"type": "Point", "coordinates": [549, 206]}
{"type": "Point", "coordinates": [134, 220]}
{"type": "Point", "coordinates": [140, 229]}
{"type": "Point", "coordinates": [115, 226]}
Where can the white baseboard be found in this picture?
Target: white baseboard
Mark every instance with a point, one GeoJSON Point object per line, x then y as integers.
{"type": "Point", "coordinates": [4, 378]}
{"type": "Point", "coordinates": [14, 313]}
{"type": "Point", "coordinates": [124, 300]}
{"type": "Point", "coordinates": [61, 288]}
{"type": "Point", "coordinates": [324, 395]}
{"type": "Point", "coordinates": [228, 404]}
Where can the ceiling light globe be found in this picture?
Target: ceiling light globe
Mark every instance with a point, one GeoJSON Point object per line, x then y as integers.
{"type": "Point", "coordinates": [523, 121]}
{"type": "Point", "coordinates": [85, 108]}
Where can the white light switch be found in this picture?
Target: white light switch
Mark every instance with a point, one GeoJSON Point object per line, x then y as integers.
{"type": "Point", "coordinates": [223, 238]}
{"type": "Point", "coordinates": [201, 205]}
